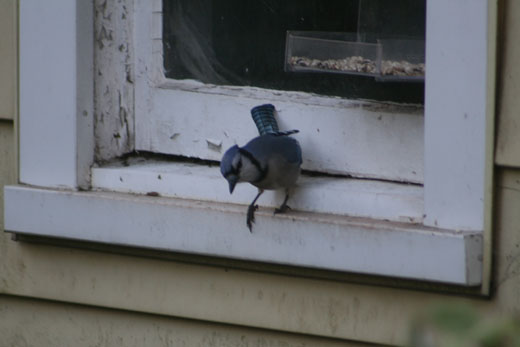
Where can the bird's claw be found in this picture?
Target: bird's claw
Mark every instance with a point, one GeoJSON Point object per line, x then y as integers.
{"type": "Point", "coordinates": [251, 216]}
{"type": "Point", "coordinates": [282, 209]}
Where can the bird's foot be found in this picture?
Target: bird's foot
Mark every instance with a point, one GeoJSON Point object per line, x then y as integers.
{"type": "Point", "coordinates": [251, 216]}
{"type": "Point", "coordinates": [282, 209]}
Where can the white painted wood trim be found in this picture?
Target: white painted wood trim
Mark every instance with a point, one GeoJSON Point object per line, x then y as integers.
{"type": "Point", "coordinates": [355, 138]}
{"type": "Point", "coordinates": [56, 88]}
{"type": "Point", "coordinates": [296, 238]}
{"type": "Point", "coordinates": [114, 78]}
{"type": "Point", "coordinates": [341, 196]}
{"type": "Point", "coordinates": [85, 139]}
{"type": "Point", "coordinates": [457, 113]}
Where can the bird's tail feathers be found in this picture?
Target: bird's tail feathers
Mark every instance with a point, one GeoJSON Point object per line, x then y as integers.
{"type": "Point", "coordinates": [263, 116]}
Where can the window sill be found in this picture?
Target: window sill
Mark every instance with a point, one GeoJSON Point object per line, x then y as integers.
{"type": "Point", "coordinates": [331, 195]}
{"type": "Point", "coordinates": [315, 240]}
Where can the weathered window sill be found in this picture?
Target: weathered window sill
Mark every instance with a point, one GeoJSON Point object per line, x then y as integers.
{"type": "Point", "coordinates": [315, 240]}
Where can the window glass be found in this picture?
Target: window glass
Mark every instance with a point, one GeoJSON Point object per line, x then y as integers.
{"type": "Point", "coordinates": [243, 42]}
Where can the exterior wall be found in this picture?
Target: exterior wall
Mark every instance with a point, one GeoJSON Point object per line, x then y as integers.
{"type": "Point", "coordinates": [8, 59]}
{"type": "Point", "coordinates": [141, 301]}
{"type": "Point", "coordinates": [37, 323]}
{"type": "Point", "coordinates": [7, 160]}
{"type": "Point", "coordinates": [508, 141]}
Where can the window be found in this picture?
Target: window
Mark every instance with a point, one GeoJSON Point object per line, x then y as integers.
{"type": "Point", "coordinates": [243, 43]}
{"type": "Point", "coordinates": [453, 246]}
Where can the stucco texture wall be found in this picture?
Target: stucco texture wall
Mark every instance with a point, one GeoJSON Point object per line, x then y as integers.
{"type": "Point", "coordinates": [60, 296]}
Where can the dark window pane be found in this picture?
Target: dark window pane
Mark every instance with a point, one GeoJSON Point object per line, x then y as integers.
{"type": "Point", "coordinates": [242, 42]}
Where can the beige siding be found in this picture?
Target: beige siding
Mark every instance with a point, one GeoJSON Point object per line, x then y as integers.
{"type": "Point", "coordinates": [508, 126]}
{"type": "Point", "coordinates": [194, 300]}
{"type": "Point", "coordinates": [37, 323]}
{"type": "Point", "coordinates": [7, 161]}
{"type": "Point", "coordinates": [8, 58]}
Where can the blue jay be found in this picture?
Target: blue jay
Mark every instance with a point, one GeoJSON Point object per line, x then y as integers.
{"type": "Point", "coordinates": [270, 161]}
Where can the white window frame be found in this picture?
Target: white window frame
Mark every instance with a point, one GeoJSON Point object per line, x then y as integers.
{"type": "Point", "coordinates": [56, 153]}
{"type": "Point", "coordinates": [339, 136]}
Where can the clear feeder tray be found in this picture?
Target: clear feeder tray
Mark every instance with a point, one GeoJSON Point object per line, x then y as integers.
{"type": "Point", "coordinates": [386, 60]}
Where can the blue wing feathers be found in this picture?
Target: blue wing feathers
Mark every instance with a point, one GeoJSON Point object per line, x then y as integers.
{"type": "Point", "coordinates": [265, 145]}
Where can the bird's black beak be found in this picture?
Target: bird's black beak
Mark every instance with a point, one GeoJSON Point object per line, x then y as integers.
{"type": "Point", "coordinates": [232, 183]}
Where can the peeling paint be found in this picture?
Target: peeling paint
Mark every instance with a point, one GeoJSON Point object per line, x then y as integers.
{"type": "Point", "coordinates": [215, 145]}
{"type": "Point", "coordinates": [114, 93]}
